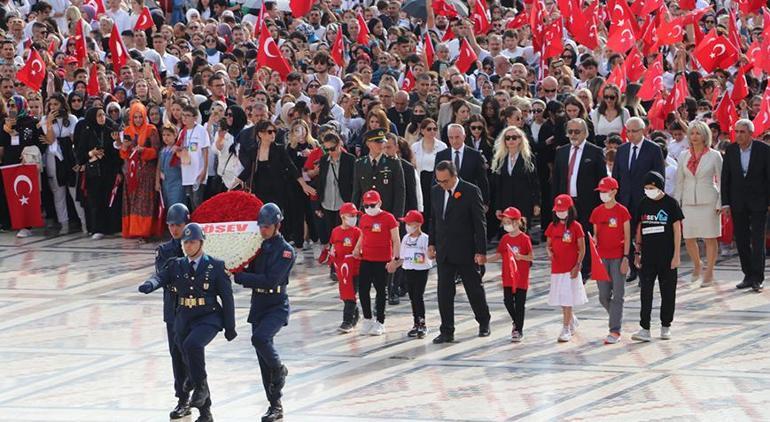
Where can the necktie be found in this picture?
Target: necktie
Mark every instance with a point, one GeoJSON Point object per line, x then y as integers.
{"type": "Point", "coordinates": [374, 163]}
{"type": "Point", "coordinates": [457, 160]}
{"type": "Point", "coordinates": [446, 203]}
{"type": "Point", "coordinates": [571, 165]}
{"type": "Point", "coordinates": [633, 159]}
{"type": "Point", "coordinates": [192, 268]}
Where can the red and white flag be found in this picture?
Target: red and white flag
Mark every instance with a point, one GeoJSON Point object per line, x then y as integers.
{"type": "Point", "coordinates": [513, 266]}
{"type": "Point", "coordinates": [430, 53]}
{"type": "Point", "coordinates": [653, 80]}
{"type": "Point", "coordinates": [618, 78]}
{"type": "Point", "coordinates": [338, 48]}
{"type": "Point", "coordinates": [117, 50]}
{"type": "Point", "coordinates": [536, 23]}
{"type": "Point", "coordinates": [363, 31]}
{"type": "Point", "coordinates": [81, 51]}
{"type": "Point", "coordinates": [586, 33]}
{"type": "Point", "coordinates": [726, 115]}
{"type": "Point", "coordinates": [762, 119]}
{"type": "Point", "coordinates": [480, 17]}
{"type": "Point", "coordinates": [144, 21]}
{"type": "Point", "coordinates": [552, 40]}
{"type": "Point", "coordinates": [270, 55]}
{"type": "Point", "coordinates": [518, 21]}
{"type": "Point", "coordinates": [300, 8]}
{"type": "Point", "coordinates": [92, 89]}
{"type": "Point", "coordinates": [467, 57]}
{"type": "Point", "coordinates": [98, 5]}
{"type": "Point", "coordinates": [32, 74]}
{"type": "Point", "coordinates": [409, 81]}
{"type": "Point", "coordinates": [715, 51]}
{"type": "Point", "coordinates": [22, 193]}
{"type": "Point", "coordinates": [634, 65]}
{"type": "Point", "coordinates": [598, 271]}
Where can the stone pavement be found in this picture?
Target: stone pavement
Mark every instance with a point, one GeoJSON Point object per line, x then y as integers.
{"type": "Point", "coordinates": [80, 344]}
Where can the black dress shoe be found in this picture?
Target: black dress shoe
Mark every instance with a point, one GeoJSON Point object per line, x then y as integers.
{"type": "Point", "coordinates": [484, 331]}
{"type": "Point", "coordinates": [443, 338]}
{"type": "Point", "coordinates": [200, 395]}
{"type": "Point", "coordinates": [181, 410]}
{"type": "Point", "coordinates": [394, 300]}
{"type": "Point", "coordinates": [205, 415]}
{"type": "Point", "coordinates": [758, 286]}
{"type": "Point", "coordinates": [632, 274]}
{"type": "Point", "coordinates": [274, 413]}
{"type": "Point", "coordinates": [745, 284]}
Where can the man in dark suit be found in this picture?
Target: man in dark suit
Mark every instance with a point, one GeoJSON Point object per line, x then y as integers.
{"type": "Point", "coordinates": [470, 164]}
{"type": "Point", "coordinates": [381, 173]}
{"type": "Point", "coordinates": [746, 195]}
{"type": "Point", "coordinates": [633, 161]}
{"type": "Point", "coordinates": [577, 171]}
{"type": "Point", "coordinates": [458, 243]}
{"type": "Point", "coordinates": [334, 186]}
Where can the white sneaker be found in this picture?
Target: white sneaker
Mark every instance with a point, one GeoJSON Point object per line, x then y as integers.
{"type": "Point", "coordinates": [366, 327]}
{"type": "Point", "coordinates": [642, 335]}
{"type": "Point", "coordinates": [574, 324]}
{"type": "Point", "coordinates": [665, 333]}
{"type": "Point", "coordinates": [612, 339]}
{"type": "Point", "coordinates": [565, 336]}
{"type": "Point", "coordinates": [97, 236]}
{"type": "Point", "coordinates": [23, 233]}
{"type": "Point", "coordinates": [377, 329]}
{"type": "Point", "coordinates": [65, 229]}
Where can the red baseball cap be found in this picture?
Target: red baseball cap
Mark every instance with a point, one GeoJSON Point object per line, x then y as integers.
{"type": "Point", "coordinates": [70, 60]}
{"type": "Point", "coordinates": [412, 216]}
{"type": "Point", "coordinates": [607, 184]}
{"type": "Point", "coordinates": [512, 213]}
{"type": "Point", "coordinates": [348, 208]}
{"type": "Point", "coordinates": [562, 203]}
{"type": "Point", "coordinates": [371, 197]}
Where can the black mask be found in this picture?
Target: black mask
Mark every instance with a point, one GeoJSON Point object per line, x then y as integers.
{"type": "Point", "coordinates": [417, 118]}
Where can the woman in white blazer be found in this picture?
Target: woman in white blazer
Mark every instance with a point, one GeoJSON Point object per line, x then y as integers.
{"type": "Point", "coordinates": [698, 192]}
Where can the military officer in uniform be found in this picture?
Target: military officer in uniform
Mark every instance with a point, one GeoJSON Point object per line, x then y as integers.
{"type": "Point", "coordinates": [199, 281]}
{"type": "Point", "coordinates": [267, 277]}
{"type": "Point", "coordinates": [177, 217]}
{"type": "Point", "coordinates": [376, 171]}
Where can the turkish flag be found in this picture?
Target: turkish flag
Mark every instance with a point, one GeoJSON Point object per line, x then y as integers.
{"type": "Point", "coordinates": [363, 31]}
{"type": "Point", "coordinates": [670, 32]}
{"type": "Point", "coordinates": [480, 18]}
{"type": "Point", "coordinates": [338, 49]}
{"type": "Point", "coordinates": [536, 19]}
{"type": "Point", "coordinates": [98, 5]}
{"type": "Point", "coordinates": [650, 35]}
{"type": "Point", "coordinates": [32, 73]}
{"type": "Point", "coordinates": [260, 19]}
{"type": "Point", "coordinates": [409, 81]}
{"type": "Point", "coordinates": [81, 52]}
{"type": "Point", "coordinates": [621, 15]}
{"type": "Point", "coordinates": [52, 46]}
{"type": "Point", "coordinates": [269, 54]}
{"type": "Point", "coordinates": [732, 30]}
{"type": "Point", "coordinates": [653, 80]}
{"type": "Point", "coordinates": [726, 114]}
{"type": "Point", "coordinates": [518, 21]}
{"type": "Point", "coordinates": [586, 33]}
{"type": "Point", "coordinates": [467, 57]}
{"type": "Point", "coordinates": [300, 8]}
{"type": "Point", "coordinates": [762, 119]}
{"type": "Point", "coordinates": [650, 6]}
{"type": "Point", "coordinates": [687, 4]}
{"type": "Point", "coordinates": [750, 6]}
{"type": "Point", "coordinates": [740, 86]}
{"type": "Point", "coordinates": [346, 268]}
{"type": "Point", "coordinates": [618, 78]}
{"type": "Point", "coordinates": [569, 9]}
{"type": "Point", "coordinates": [676, 97]}
{"type": "Point", "coordinates": [513, 266]}
{"type": "Point", "coordinates": [764, 57]}
{"type": "Point", "coordinates": [448, 35]}
{"type": "Point", "coordinates": [441, 7]}
{"type": "Point", "coordinates": [22, 193]}
{"type": "Point", "coordinates": [598, 271]}
{"type": "Point", "coordinates": [621, 38]}
{"type": "Point", "coordinates": [656, 115]}
{"type": "Point", "coordinates": [117, 50]}
{"type": "Point", "coordinates": [715, 51]}
{"type": "Point", "coordinates": [430, 53]}
{"type": "Point", "coordinates": [634, 65]}
{"type": "Point", "coordinates": [92, 89]}
{"type": "Point", "coordinates": [144, 21]}
{"type": "Point", "coordinates": [552, 40]}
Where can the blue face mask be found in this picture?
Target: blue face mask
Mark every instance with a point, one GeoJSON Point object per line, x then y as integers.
{"type": "Point", "coordinates": [211, 51]}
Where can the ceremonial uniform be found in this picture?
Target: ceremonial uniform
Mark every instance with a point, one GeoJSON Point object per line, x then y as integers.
{"type": "Point", "coordinates": [382, 174]}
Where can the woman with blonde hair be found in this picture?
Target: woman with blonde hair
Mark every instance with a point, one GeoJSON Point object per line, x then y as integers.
{"type": "Point", "coordinates": [513, 169]}
{"type": "Point", "coordinates": [303, 149]}
{"type": "Point", "coordinates": [698, 192]}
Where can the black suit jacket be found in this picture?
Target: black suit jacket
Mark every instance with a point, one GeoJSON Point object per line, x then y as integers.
{"type": "Point", "coordinates": [520, 188]}
{"type": "Point", "coordinates": [649, 157]}
{"type": "Point", "coordinates": [410, 183]}
{"type": "Point", "coordinates": [591, 170]}
{"type": "Point", "coordinates": [460, 233]}
{"type": "Point", "coordinates": [472, 168]}
{"type": "Point", "coordinates": [485, 148]}
{"type": "Point", "coordinates": [750, 193]}
{"type": "Point", "coordinates": [344, 176]}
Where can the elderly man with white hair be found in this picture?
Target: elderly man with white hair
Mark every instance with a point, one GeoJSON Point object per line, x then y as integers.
{"type": "Point", "coordinates": [633, 160]}
{"type": "Point", "coordinates": [746, 196]}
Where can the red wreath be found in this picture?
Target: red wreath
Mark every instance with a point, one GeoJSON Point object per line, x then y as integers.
{"type": "Point", "coordinates": [226, 207]}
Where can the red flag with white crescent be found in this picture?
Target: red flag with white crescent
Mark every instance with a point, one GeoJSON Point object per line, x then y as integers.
{"type": "Point", "coordinates": [409, 81]}
{"type": "Point", "coordinates": [762, 119]}
{"type": "Point", "coordinates": [81, 52]}
{"type": "Point", "coordinates": [518, 21]}
{"type": "Point", "coordinates": [22, 194]}
{"type": "Point", "coordinates": [726, 115]}
{"type": "Point", "coordinates": [144, 21]}
{"type": "Point", "coordinates": [32, 74]}
{"type": "Point", "coordinates": [715, 51]}
{"type": "Point", "coordinates": [480, 18]}
{"type": "Point", "coordinates": [117, 50]}
{"type": "Point", "coordinates": [430, 53]}
{"type": "Point", "coordinates": [467, 57]}
{"type": "Point", "coordinates": [338, 48]}
{"type": "Point", "coordinates": [653, 80]}
{"type": "Point", "coordinates": [363, 31]}
{"type": "Point", "coordinates": [270, 55]}
{"type": "Point", "coordinates": [300, 8]}
{"type": "Point", "coordinates": [92, 89]}
{"type": "Point", "coordinates": [634, 65]}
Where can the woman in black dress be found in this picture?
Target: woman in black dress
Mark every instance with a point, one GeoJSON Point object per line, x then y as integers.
{"type": "Point", "coordinates": [515, 174]}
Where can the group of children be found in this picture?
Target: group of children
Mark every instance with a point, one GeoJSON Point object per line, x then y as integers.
{"type": "Point", "coordinates": [363, 255]}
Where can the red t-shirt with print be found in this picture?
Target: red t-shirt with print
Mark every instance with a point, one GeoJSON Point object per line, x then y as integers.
{"type": "Point", "coordinates": [522, 244]}
{"type": "Point", "coordinates": [377, 245]}
{"type": "Point", "coordinates": [344, 240]}
{"type": "Point", "coordinates": [609, 230]}
{"type": "Point", "coordinates": [564, 244]}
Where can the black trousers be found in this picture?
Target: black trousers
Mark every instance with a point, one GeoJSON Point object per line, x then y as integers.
{"type": "Point", "coordinates": [372, 273]}
{"type": "Point", "coordinates": [326, 224]}
{"type": "Point", "coordinates": [667, 285]}
{"type": "Point", "coordinates": [416, 281]}
{"type": "Point", "coordinates": [750, 240]}
{"type": "Point", "coordinates": [99, 190]}
{"type": "Point", "coordinates": [447, 273]}
{"type": "Point", "coordinates": [514, 303]}
{"type": "Point", "coordinates": [426, 182]}
{"type": "Point", "coordinates": [177, 363]}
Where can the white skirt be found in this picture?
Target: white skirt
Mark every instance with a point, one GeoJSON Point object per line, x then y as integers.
{"type": "Point", "coordinates": [566, 291]}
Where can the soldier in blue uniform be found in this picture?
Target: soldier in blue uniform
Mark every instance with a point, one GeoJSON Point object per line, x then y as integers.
{"type": "Point", "coordinates": [176, 218]}
{"type": "Point", "coordinates": [268, 276]}
{"type": "Point", "coordinates": [199, 281]}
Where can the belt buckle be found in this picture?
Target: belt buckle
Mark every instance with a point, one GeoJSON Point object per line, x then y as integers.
{"type": "Point", "coordinates": [189, 302]}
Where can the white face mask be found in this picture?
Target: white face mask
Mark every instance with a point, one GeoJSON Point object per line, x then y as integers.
{"type": "Point", "coordinates": [605, 196]}
{"type": "Point", "coordinates": [652, 193]}
{"type": "Point", "coordinates": [373, 211]}
{"type": "Point", "coordinates": [351, 221]}
{"type": "Point", "coordinates": [562, 215]}
{"type": "Point", "coordinates": [510, 228]}
{"type": "Point", "coordinates": [411, 229]}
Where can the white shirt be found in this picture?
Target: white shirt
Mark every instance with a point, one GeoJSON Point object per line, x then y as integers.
{"type": "Point", "coordinates": [195, 141]}
{"type": "Point", "coordinates": [448, 193]}
{"type": "Point", "coordinates": [671, 170]}
{"type": "Point", "coordinates": [534, 127]}
{"type": "Point", "coordinates": [573, 181]}
{"type": "Point", "coordinates": [512, 162]}
{"type": "Point", "coordinates": [414, 252]}
{"type": "Point", "coordinates": [426, 160]}
{"type": "Point", "coordinates": [604, 127]}
{"type": "Point", "coordinates": [170, 61]}
{"type": "Point", "coordinates": [676, 148]}
{"type": "Point", "coordinates": [120, 18]}
{"type": "Point", "coordinates": [454, 154]}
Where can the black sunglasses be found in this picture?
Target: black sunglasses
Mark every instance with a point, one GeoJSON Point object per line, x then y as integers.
{"type": "Point", "coordinates": [549, 90]}
{"type": "Point", "coordinates": [477, 127]}
{"type": "Point", "coordinates": [370, 205]}
{"type": "Point", "coordinates": [269, 131]}
{"type": "Point", "coordinates": [512, 137]}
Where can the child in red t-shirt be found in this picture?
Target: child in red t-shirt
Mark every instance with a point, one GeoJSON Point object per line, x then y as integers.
{"type": "Point", "coordinates": [343, 239]}
{"type": "Point", "coordinates": [612, 225]}
{"type": "Point", "coordinates": [515, 249]}
{"type": "Point", "coordinates": [566, 249]}
{"type": "Point", "coordinates": [378, 247]}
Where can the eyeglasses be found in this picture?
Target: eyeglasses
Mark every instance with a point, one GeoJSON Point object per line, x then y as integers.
{"type": "Point", "coordinates": [431, 129]}
{"type": "Point", "coordinates": [330, 149]}
{"type": "Point", "coordinates": [370, 205]}
{"type": "Point", "coordinates": [610, 97]}
{"type": "Point", "coordinates": [537, 110]}
{"type": "Point", "coordinates": [269, 131]}
{"type": "Point", "coordinates": [518, 88]}
{"type": "Point", "coordinates": [477, 127]}
{"type": "Point", "coordinates": [709, 21]}
{"type": "Point", "coordinates": [228, 114]}
{"type": "Point", "coordinates": [574, 131]}
{"type": "Point", "coordinates": [549, 90]}
{"type": "Point", "coordinates": [512, 137]}
{"type": "Point", "coordinates": [76, 100]}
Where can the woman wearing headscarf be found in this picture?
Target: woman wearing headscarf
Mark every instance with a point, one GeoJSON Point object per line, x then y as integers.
{"type": "Point", "coordinates": [139, 150]}
{"type": "Point", "coordinates": [20, 130]}
{"type": "Point", "coordinates": [77, 104]}
{"type": "Point", "coordinates": [94, 138]}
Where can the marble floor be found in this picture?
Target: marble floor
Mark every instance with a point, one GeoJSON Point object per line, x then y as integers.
{"type": "Point", "coordinates": [80, 344]}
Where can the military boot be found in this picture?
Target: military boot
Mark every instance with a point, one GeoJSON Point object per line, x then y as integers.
{"type": "Point", "coordinates": [181, 410]}
{"type": "Point", "coordinates": [274, 412]}
{"type": "Point", "coordinates": [200, 395]}
{"type": "Point", "coordinates": [205, 415]}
